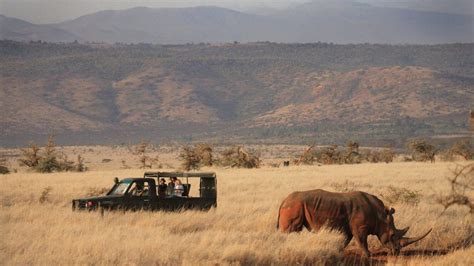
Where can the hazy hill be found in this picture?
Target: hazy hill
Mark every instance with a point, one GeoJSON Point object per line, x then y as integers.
{"type": "Point", "coordinates": [20, 30]}
{"type": "Point", "coordinates": [170, 25]}
{"type": "Point", "coordinates": [244, 92]}
{"type": "Point", "coordinates": [336, 21]}
{"type": "Point", "coordinates": [343, 21]}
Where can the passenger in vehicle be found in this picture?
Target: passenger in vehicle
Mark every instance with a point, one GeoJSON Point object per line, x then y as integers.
{"type": "Point", "coordinates": [138, 189]}
{"type": "Point", "coordinates": [179, 188]}
{"type": "Point", "coordinates": [171, 185]}
{"type": "Point", "coordinates": [162, 188]}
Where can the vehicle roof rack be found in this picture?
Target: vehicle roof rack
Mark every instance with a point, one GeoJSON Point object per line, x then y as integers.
{"type": "Point", "coordinates": [180, 174]}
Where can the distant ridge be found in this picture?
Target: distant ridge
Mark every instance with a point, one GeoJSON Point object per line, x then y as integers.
{"type": "Point", "coordinates": [337, 21]}
{"type": "Point", "coordinates": [20, 30]}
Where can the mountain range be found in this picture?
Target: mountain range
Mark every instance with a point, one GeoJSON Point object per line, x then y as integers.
{"type": "Point", "coordinates": [100, 93]}
{"type": "Point", "coordinates": [337, 21]}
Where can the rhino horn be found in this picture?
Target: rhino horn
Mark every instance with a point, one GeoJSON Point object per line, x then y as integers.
{"type": "Point", "coordinates": [410, 240]}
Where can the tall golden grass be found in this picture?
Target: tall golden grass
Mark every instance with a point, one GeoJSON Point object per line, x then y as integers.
{"type": "Point", "coordinates": [241, 230]}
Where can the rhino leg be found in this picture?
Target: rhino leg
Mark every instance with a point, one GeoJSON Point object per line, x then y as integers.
{"type": "Point", "coordinates": [291, 218]}
{"type": "Point", "coordinates": [361, 239]}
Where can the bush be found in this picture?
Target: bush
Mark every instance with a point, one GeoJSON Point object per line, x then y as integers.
{"type": "Point", "coordinates": [49, 160]}
{"type": "Point", "coordinates": [141, 150]}
{"type": "Point", "coordinates": [4, 170]}
{"type": "Point", "coordinates": [375, 156]}
{"type": "Point", "coordinates": [80, 166]}
{"type": "Point", "coordinates": [44, 197]}
{"type": "Point", "coordinates": [462, 188]}
{"type": "Point", "coordinates": [204, 151]}
{"type": "Point", "coordinates": [190, 158]}
{"type": "Point", "coordinates": [308, 157]}
{"type": "Point", "coordinates": [463, 148]}
{"type": "Point", "coordinates": [238, 157]}
{"type": "Point", "coordinates": [351, 155]}
{"type": "Point", "coordinates": [30, 155]}
{"type": "Point", "coordinates": [421, 150]}
{"type": "Point", "coordinates": [348, 186]}
{"type": "Point", "coordinates": [329, 155]}
{"type": "Point", "coordinates": [394, 195]}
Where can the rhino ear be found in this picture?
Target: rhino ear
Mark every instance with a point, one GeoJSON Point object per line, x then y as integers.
{"type": "Point", "coordinates": [391, 211]}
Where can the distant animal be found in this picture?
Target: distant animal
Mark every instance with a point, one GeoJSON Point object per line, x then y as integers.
{"type": "Point", "coordinates": [286, 163]}
{"type": "Point", "coordinates": [356, 214]}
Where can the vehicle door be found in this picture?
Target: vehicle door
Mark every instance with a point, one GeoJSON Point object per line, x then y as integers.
{"type": "Point", "coordinates": [139, 196]}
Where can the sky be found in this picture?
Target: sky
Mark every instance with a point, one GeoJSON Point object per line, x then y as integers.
{"type": "Point", "coordinates": [52, 11]}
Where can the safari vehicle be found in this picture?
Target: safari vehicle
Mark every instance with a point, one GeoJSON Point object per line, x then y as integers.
{"type": "Point", "coordinates": [199, 192]}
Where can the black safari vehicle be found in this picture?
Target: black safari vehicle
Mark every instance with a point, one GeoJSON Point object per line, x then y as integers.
{"type": "Point", "coordinates": [178, 191]}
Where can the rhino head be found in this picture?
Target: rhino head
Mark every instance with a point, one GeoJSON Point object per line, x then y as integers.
{"type": "Point", "coordinates": [394, 239]}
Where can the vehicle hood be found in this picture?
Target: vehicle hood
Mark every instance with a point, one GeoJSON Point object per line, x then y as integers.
{"type": "Point", "coordinates": [99, 198]}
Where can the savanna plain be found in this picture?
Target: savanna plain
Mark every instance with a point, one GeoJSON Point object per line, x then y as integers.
{"type": "Point", "coordinates": [38, 226]}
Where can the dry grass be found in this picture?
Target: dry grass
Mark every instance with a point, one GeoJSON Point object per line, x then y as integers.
{"type": "Point", "coordinates": [240, 231]}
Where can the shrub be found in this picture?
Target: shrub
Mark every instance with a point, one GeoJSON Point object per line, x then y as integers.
{"type": "Point", "coordinates": [463, 148]}
{"type": "Point", "coordinates": [351, 155]}
{"type": "Point", "coordinates": [191, 159]}
{"type": "Point", "coordinates": [421, 150]}
{"type": "Point", "coordinates": [141, 150]}
{"type": "Point", "coordinates": [375, 156]}
{"type": "Point", "coordinates": [80, 166]}
{"type": "Point", "coordinates": [30, 156]}
{"type": "Point", "coordinates": [387, 155]}
{"type": "Point", "coordinates": [44, 197]}
{"type": "Point", "coordinates": [348, 186]}
{"type": "Point", "coordinates": [204, 151]}
{"type": "Point", "coordinates": [195, 157]}
{"type": "Point", "coordinates": [49, 160]}
{"type": "Point", "coordinates": [308, 157]}
{"type": "Point", "coordinates": [462, 188]}
{"type": "Point", "coordinates": [238, 157]}
{"type": "Point", "coordinates": [3, 168]}
{"type": "Point", "coordinates": [394, 195]}
{"type": "Point", "coordinates": [125, 165]}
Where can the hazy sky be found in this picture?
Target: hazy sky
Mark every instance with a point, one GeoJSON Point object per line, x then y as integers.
{"type": "Point", "coordinates": [51, 11]}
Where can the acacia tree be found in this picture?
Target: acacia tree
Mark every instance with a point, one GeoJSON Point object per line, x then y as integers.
{"type": "Point", "coordinates": [197, 156]}
{"type": "Point", "coordinates": [142, 150]}
{"type": "Point", "coordinates": [462, 187]}
{"type": "Point", "coordinates": [30, 156]}
{"type": "Point", "coordinates": [48, 162]}
{"type": "Point", "coordinates": [48, 159]}
{"type": "Point", "coordinates": [238, 157]}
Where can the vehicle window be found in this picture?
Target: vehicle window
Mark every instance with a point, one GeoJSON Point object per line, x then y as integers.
{"type": "Point", "coordinates": [139, 189]}
{"type": "Point", "coordinates": [120, 188]}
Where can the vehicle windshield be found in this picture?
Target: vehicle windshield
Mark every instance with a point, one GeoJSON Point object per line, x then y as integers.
{"type": "Point", "coordinates": [121, 187]}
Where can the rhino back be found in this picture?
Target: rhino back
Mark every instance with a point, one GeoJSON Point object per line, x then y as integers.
{"type": "Point", "coordinates": [334, 207]}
